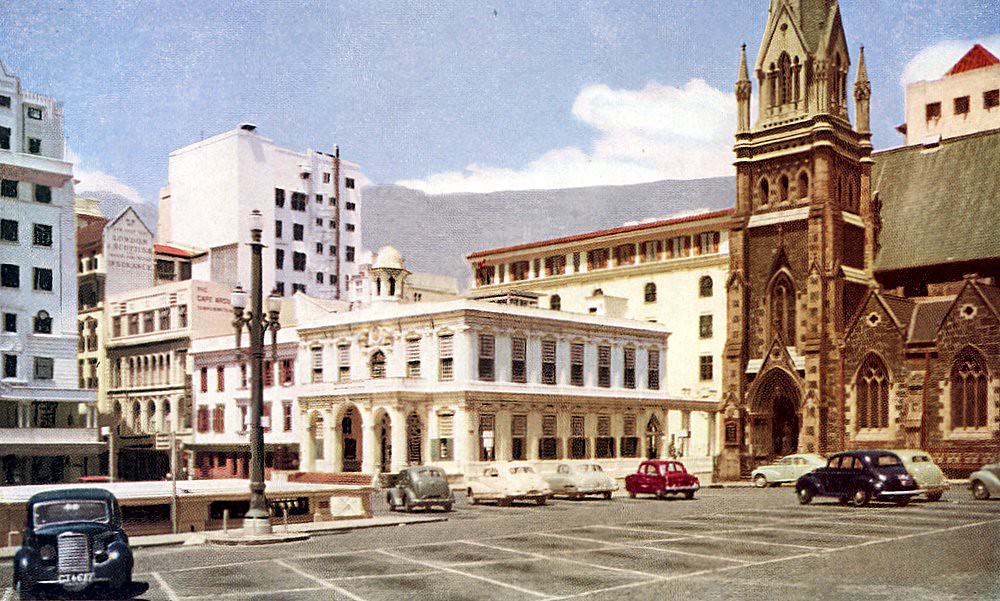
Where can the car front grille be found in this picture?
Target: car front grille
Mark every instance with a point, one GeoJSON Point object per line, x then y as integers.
{"type": "Point", "coordinates": [73, 553]}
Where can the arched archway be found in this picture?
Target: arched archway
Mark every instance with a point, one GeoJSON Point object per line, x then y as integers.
{"type": "Point", "coordinates": [653, 430]}
{"type": "Point", "coordinates": [350, 439]}
{"type": "Point", "coordinates": [774, 416]}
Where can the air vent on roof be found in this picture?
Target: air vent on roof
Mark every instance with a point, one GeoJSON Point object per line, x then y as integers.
{"type": "Point", "coordinates": [245, 126]}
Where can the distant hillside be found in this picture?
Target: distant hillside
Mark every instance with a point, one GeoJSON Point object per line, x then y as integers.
{"type": "Point", "coordinates": [436, 232]}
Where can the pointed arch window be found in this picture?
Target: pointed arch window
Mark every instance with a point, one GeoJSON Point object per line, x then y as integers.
{"type": "Point", "coordinates": [872, 393]}
{"type": "Point", "coordinates": [764, 191]}
{"type": "Point", "coordinates": [783, 308]}
{"type": "Point", "coordinates": [968, 390]}
{"type": "Point", "coordinates": [783, 189]}
{"type": "Point", "coordinates": [376, 365]}
{"type": "Point", "coordinates": [784, 78]}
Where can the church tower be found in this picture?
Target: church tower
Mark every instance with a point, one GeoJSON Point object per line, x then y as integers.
{"type": "Point", "coordinates": [797, 239]}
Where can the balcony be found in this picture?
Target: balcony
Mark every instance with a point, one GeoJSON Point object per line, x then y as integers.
{"type": "Point", "coordinates": [50, 441]}
{"type": "Point", "coordinates": [35, 168]}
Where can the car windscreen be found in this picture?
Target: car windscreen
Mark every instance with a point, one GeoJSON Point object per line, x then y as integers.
{"type": "Point", "coordinates": [522, 470]}
{"type": "Point", "coordinates": [588, 468]}
{"type": "Point", "coordinates": [65, 512]}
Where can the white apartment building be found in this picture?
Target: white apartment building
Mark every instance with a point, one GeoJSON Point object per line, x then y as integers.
{"type": "Point", "coordinates": [310, 202]}
{"type": "Point", "coordinates": [48, 425]}
{"type": "Point", "coordinates": [671, 272]}
{"type": "Point", "coordinates": [150, 334]}
{"type": "Point", "coordinates": [966, 100]}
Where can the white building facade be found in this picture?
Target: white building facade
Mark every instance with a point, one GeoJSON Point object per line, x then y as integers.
{"type": "Point", "coordinates": [310, 202]}
{"type": "Point", "coordinates": [673, 272]}
{"type": "Point", "coordinates": [48, 425]}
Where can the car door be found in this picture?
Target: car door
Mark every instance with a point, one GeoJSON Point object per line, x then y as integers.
{"type": "Point", "coordinates": [650, 475]}
{"type": "Point", "coordinates": [830, 476]}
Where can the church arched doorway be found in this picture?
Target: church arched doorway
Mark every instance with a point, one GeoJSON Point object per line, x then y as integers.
{"type": "Point", "coordinates": [774, 417]}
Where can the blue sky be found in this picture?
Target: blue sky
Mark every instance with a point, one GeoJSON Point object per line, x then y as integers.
{"type": "Point", "coordinates": [441, 96]}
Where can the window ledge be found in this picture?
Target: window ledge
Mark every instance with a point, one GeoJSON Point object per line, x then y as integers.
{"type": "Point", "coordinates": [969, 434]}
{"type": "Point", "coordinates": [875, 434]}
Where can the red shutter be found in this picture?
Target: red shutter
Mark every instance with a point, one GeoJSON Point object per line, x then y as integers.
{"type": "Point", "coordinates": [204, 379]}
{"type": "Point", "coordinates": [203, 419]}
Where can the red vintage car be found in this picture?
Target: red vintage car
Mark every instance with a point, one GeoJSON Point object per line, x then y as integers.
{"type": "Point", "coordinates": [662, 478]}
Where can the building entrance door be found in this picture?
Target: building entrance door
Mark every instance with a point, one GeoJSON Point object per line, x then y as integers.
{"type": "Point", "coordinates": [774, 417]}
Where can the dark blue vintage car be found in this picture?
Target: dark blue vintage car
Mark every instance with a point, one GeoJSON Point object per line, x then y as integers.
{"type": "Point", "coordinates": [858, 477]}
{"type": "Point", "coordinates": [73, 539]}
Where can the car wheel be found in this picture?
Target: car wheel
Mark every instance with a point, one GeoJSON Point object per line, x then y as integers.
{"type": "Point", "coordinates": [979, 490]}
{"type": "Point", "coordinates": [689, 494]}
{"type": "Point", "coordinates": [631, 494]}
{"type": "Point", "coordinates": [472, 497]}
{"type": "Point", "coordinates": [934, 496]}
{"type": "Point", "coordinates": [24, 593]}
{"type": "Point", "coordinates": [902, 501]}
{"type": "Point", "coordinates": [860, 497]}
{"type": "Point", "coordinates": [607, 495]}
{"type": "Point", "coordinates": [843, 500]}
{"type": "Point", "coordinates": [408, 505]}
{"type": "Point", "coordinates": [503, 502]}
{"type": "Point", "coordinates": [661, 494]}
{"type": "Point", "coordinates": [447, 507]}
{"type": "Point", "coordinates": [805, 495]}
{"type": "Point", "coordinates": [760, 481]}
{"type": "Point", "coordinates": [541, 500]}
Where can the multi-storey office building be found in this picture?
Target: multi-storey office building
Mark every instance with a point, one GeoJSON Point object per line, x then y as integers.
{"type": "Point", "coordinates": [459, 383]}
{"type": "Point", "coordinates": [670, 271]}
{"type": "Point", "coordinates": [311, 199]}
{"type": "Point", "coordinates": [150, 334]}
{"type": "Point", "coordinates": [221, 396]}
{"type": "Point", "coordinates": [48, 428]}
{"type": "Point", "coordinates": [113, 256]}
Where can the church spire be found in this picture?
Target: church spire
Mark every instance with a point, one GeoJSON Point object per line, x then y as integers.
{"type": "Point", "coordinates": [862, 96]}
{"type": "Point", "coordinates": [743, 91]}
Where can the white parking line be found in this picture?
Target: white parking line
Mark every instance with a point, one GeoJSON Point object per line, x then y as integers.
{"type": "Point", "coordinates": [466, 574]}
{"type": "Point", "coordinates": [539, 556]}
{"type": "Point", "coordinates": [665, 550]}
{"type": "Point", "coordinates": [171, 593]}
{"type": "Point", "coordinates": [243, 594]}
{"type": "Point", "coordinates": [708, 535]}
{"type": "Point", "coordinates": [324, 583]}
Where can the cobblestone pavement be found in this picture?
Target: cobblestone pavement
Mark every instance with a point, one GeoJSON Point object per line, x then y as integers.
{"type": "Point", "coordinates": [732, 543]}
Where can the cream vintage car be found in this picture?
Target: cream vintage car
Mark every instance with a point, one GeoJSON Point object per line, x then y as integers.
{"type": "Point", "coordinates": [580, 480]}
{"type": "Point", "coordinates": [928, 475]}
{"type": "Point", "coordinates": [508, 483]}
{"type": "Point", "coordinates": [787, 469]}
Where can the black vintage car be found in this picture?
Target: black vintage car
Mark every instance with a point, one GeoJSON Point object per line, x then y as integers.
{"type": "Point", "coordinates": [73, 539]}
{"type": "Point", "coordinates": [858, 477]}
{"type": "Point", "coordinates": [421, 486]}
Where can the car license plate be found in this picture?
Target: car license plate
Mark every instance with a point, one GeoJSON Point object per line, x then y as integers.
{"type": "Point", "coordinates": [75, 578]}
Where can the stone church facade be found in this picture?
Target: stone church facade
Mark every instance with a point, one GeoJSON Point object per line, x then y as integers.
{"type": "Point", "coordinates": [821, 241]}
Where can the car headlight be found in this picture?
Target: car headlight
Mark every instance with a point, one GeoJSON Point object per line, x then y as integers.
{"type": "Point", "coordinates": [883, 477]}
{"type": "Point", "coordinates": [47, 552]}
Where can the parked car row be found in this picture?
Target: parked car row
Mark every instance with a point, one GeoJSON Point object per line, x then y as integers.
{"type": "Point", "coordinates": [426, 486]}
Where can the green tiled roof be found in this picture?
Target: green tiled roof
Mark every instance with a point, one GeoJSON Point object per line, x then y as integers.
{"type": "Point", "coordinates": [939, 205]}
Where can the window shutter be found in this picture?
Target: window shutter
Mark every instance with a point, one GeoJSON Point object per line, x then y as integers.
{"type": "Point", "coordinates": [576, 426]}
{"type": "Point", "coordinates": [518, 349]}
{"type": "Point", "coordinates": [446, 345]}
{"type": "Point", "coordinates": [486, 422]}
{"type": "Point", "coordinates": [548, 426]}
{"type": "Point", "coordinates": [604, 425]}
{"type": "Point", "coordinates": [344, 354]}
{"type": "Point", "coordinates": [446, 425]}
{"type": "Point", "coordinates": [687, 245]}
{"type": "Point", "coordinates": [604, 356]}
{"type": "Point", "coordinates": [576, 354]}
{"type": "Point", "coordinates": [548, 351]}
{"type": "Point", "coordinates": [519, 426]}
{"type": "Point", "coordinates": [629, 425]}
{"type": "Point", "coordinates": [630, 358]}
{"type": "Point", "coordinates": [486, 346]}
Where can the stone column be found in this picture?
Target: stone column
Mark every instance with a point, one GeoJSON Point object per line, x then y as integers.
{"type": "Point", "coordinates": [501, 435]}
{"type": "Point", "coordinates": [367, 442]}
{"type": "Point", "coordinates": [398, 419]}
{"type": "Point", "coordinates": [533, 433]}
{"type": "Point", "coordinates": [333, 446]}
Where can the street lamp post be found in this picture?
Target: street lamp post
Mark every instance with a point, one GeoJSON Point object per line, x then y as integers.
{"type": "Point", "coordinates": [258, 324]}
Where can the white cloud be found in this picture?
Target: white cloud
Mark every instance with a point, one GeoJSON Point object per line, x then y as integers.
{"type": "Point", "coordinates": [657, 132]}
{"type": "Point", "coordinates": [935, 60]}
{"type": "Point", "coordinates": [95, 180]}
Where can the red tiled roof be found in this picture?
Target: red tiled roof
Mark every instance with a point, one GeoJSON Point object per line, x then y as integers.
{"type": "Point", "coordinates": [597, 234]}
{"type": "Point", "coordinates": [976, 58]}
{"type": "Point", "coordinates": [173, 251]}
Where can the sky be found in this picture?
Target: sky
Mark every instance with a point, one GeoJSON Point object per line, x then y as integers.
{"type": "Point", "coordinates": [442, 96]}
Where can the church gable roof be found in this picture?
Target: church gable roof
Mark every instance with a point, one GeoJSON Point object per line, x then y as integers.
{"type": "Point", "coordinates": [976, 58]}
{"type": "Point", "coordinates": [938, 205]}
{"type": "Point", "coordinates": [927, 318]}
{"type": "Point", "coordinates": [812, 21]}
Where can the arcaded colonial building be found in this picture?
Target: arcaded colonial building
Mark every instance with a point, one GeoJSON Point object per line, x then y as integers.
{"type": "Point", "coordinates": [463, 382]}
{"type": "Point", "coordinates": [862, 303]}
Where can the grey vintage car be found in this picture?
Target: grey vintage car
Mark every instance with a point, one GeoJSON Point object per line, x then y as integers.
{"type": "Point", "coordinates": [985, 482]}
{"type": "Point", "coordinates": [421, 486]}
{"type": "Point", "coordinates": [580, 480]}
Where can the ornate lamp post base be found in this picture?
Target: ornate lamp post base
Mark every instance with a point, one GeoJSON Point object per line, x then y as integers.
{"type": "Point", "coordinates": [256, 525]}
